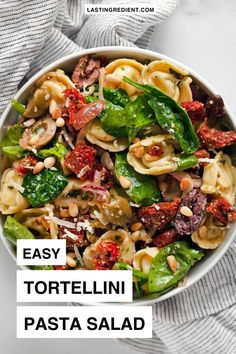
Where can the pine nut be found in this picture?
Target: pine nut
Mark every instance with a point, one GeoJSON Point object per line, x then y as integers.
{"type": "Point", "coordinates": [186, 211]}
{"type": "Point", "coordinates": [70, 261]}
{"type": "Point", "coordinates": [73, 210]}
{"type": "Point", "coordinates": [203, 231]}
{"type": "Point", "coordinates": [64, 213]}
{"type": "Point", "coordinates": [60, 122]}
{"type": "Point", "coordinates": [136, 226]}
{"type": "Point", "coordinates": [139, 152]}
{"type": "Point", "coordinates": [49, 162]}
{"type": "Point", "coordinates": [107, 161]}
{"type": "Point", "coordinates": [38, 167]}
{"type": "Point", "coordinates": [172, 263]}
{"type": "Point", "coordinates": [186, 184]}
{"type": "Point", "coordinates": [136, 140]}
{"type": "Point", "coordinates": [125, 183]}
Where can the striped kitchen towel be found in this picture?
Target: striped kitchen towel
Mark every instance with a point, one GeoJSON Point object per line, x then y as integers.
{"type": "Point", "coordinates": [34, 33]}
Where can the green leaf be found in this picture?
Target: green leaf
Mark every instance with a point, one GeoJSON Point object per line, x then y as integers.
{"type": "Point", "coordinates": [118, 97]}
{"type": "Point", "coordinates": [161, 277]}
{"type": "Point", "coordinates": [19, 107]}
{"type": "Point", "coordinates": [43, 187]}
{"type": "Point", "coordinates": [186, 161]}
{"type": "Point", "coordinates": [130, 120]}
{"type": "Point", "coordinates": [10, 143]}
{"type": "Point", "coordinates": [171, 116]}
{"type": "Point", "coordinates": [13, 230]}
{"type": "Point", "coordinates": [143, 189]}
{"type": "Point", "coordinates": [57, 150]}
{"type": "Point", "coordinates": [42, 267]}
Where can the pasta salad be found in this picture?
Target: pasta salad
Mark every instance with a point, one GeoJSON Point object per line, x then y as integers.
{"type": "Point", "coordinates": [131, 162]}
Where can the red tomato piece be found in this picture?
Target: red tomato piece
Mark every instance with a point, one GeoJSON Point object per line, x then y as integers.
{"type": "Point", "coordinates": [61, 267]}
{"type": "Point", "coordinates": [165, 238]}
{"type": "Point", "coordinates": [160, 214]}
{"type": "Point", "coordinates": [222, 210]}
{"type": "Point", "coordinates": [77, 237]}
{"type": "Point", "coordinates": [214, 138]}
{"type": "Point", "coordinates": [87, 113]}
{"type": "Point", "coordinates": [24, 165]}
{"type": "Point", "coordinates": [195, 110]}
{"type": "Point", "coordinates": [106, 255]}
{"type": "Point", "coordinates": [155, 150]}
{"type": "Point", "coordinates": [81, 156]}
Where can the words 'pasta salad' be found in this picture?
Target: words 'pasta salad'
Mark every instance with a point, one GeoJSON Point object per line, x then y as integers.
{"type": "Point", "coordinates": [131, 163]}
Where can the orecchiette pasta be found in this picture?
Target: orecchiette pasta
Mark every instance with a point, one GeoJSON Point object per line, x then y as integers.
{"type": "Point", "coordinates": [142, 259]}
{"type": "Point", "coordinates": [49, 93]}
{"type": "Point", "coordinates": [219, 178]}
{"type": "Point", "coordinates": [11, 200]}
{"type": "Point", "coordinates": [209, 235]}
{"type": "Point", "coordinates": [96, 135]}
{"type": "Point", "coordinates": [121, 237]}
{"type": "Point", "coordinates": [123, 67]}
{"type": "Point", "coordinates": [147, 164]}
{"type": "Point", "coordinates": [169, 78]}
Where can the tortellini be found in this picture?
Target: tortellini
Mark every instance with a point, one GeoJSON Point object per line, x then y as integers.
{"type": "Point", "coordinates": [35, 219]}
{"type": "Point", "coordinates": [121, 237]}
{"type": "Point", "coordinates": [172, 80]}
{"type": "Point", "coordinates": [117, 212]}
{"type": "Point", "coordinates": [96, 135]}
{"type": "Point", "coordinates": [209, 235]}
{"type": "Point", "coordinates": [123, 67]}
{"type": "Point", "coordinates": [142, 259]}
{"type": "Point", "coordinates": [147, 164]}
{"type": "Point", "coordinates": [219, 178]}
{"type": "Point", "coordinates": [11, 200]}
{"type": "Point", "coordinates": [48, 94]}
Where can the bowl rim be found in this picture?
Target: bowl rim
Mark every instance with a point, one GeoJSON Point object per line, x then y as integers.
{"type": "Point", "coordinates": [156, 55]}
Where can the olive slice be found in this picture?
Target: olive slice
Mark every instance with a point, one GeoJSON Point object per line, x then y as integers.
{"type": "Point", "coordinates": [38, 134]}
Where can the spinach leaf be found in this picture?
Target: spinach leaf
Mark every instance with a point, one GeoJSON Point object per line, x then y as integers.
{"type": "Point", "coordinates": [186, 161]}
{"type": "Point", "coordinates": [128, 121]}
{"type": "Point", "coordinates": [143, 189]}
{"type": "Point", "coordinates": [57, 150]}
{"type": "Point", "coordinates": [43, 187]}
{"type": "Point", "coordinates": [42, 267]}
{"type": "Point", "coordinates": [140, 278]}
{"type": "Point", "coordinates": [10, 143]}
{"type": "Point", "coordinates": [161, 278]}
{"type": "Point", "coordinates": [118, 97]}
{"type": "Point", "coordinates": [19, 107]}
{"type": "Point", "coordinates": [109, 105]}
{"type": "Point", "coordinates": [13, 230]}
{"type": "Point", "coordinates": [171, 116]}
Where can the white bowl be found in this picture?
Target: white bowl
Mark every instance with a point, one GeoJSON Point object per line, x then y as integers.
{"type": "Point", "coordinates": [67, 63]}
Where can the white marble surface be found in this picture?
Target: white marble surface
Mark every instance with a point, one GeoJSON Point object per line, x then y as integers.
{"type": "Point", "coordinates": [201, 34]}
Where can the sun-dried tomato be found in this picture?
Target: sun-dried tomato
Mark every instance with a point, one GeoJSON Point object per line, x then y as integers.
{"type": "Point", "coordinates": [222, 210]}
{"type": "Point", "coordinates": [195, 110]}
{"type": "Point", "coordinates": [24, 165]}
{"type": "Point", "coordinates": [73, 236]}
{"type": "Point", "coordinates": [165, 238]}
{"type": "Point", "coordinates": [216, 139]}
{"type": "Point", "coordinates": [202, 153]}
{"type": "Point", "coordinates": [160, 214]}
{"type": "Point", "coordinates": [76, 102]}
{"type": "Point", "coordinates": [81, 156]}
{"type": "Point", "coordinates": [155, 150]}
{"type": "Point", "coordinates": [87, 113]}
{"type": "Point", "coordinates": [106, 255]}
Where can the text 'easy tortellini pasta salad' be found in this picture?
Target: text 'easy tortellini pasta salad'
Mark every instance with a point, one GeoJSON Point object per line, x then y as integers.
{"type": "Point", "coordinates": [131, 162]}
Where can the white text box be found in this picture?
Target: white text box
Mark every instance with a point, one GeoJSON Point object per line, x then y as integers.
{"type": "Point", "coordinates": [84, 322]}
{"type": "Point", "coordinates": [74, 285]}
{"type": "Point", "coordinates": [41, 252]}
